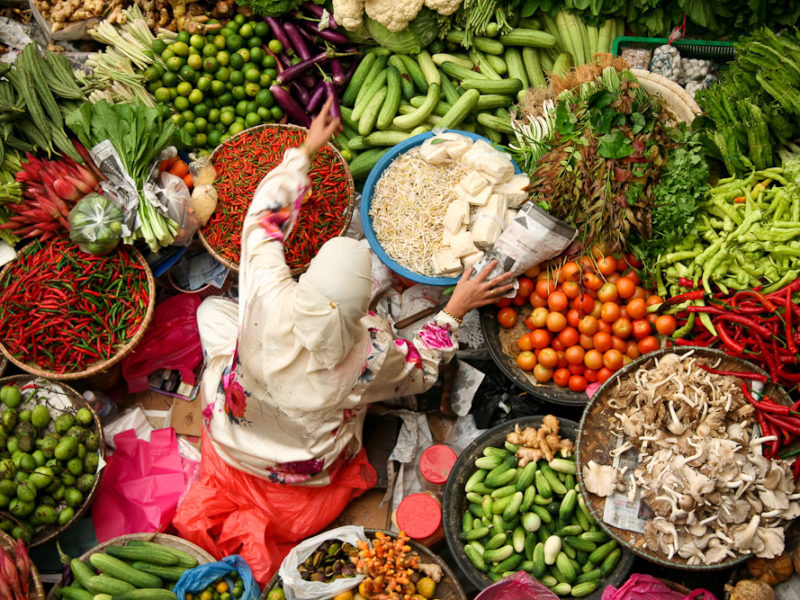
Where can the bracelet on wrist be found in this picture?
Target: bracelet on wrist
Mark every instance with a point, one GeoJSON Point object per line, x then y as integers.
{"type": "Point", "coordinates": [452, 316]}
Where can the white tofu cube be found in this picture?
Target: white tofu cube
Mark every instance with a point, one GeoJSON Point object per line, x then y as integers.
{"type": "Point", "coordinates": [474, 183]}
{"type": "Point", "coordinates": [514, 190]}
{"type": "Point", "coordinates": [457, 145]}
{"type": "Point", "coordinates": [435, 154]}
{"type": "Point", "coordinates": [471, 259]}
{"type": "Point", "coordinates": [509, 217]}
{"type": "Point", "coordinates": [496, 205]}
{"type": "Point", "coordinates": [497, 168]}
{"type": "Point", "coordinates": [482, 198]}
{"type": "Point", "coordinates": [445, 263]}
{"type": "Point", "coordinates": [447, 236]}
{"type": "Point", "coordinates": [485, 231]}
{"type": "Point", "coordinates": [461, 244]}
{"type": "Point", "coordinates": [456, 216]}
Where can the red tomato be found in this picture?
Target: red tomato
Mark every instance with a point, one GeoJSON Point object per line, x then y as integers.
{"type": "Point", "coordinates": [607, 293]}
{"type": "Point", "coordinates": [519, 300]}
{"type": "Point", "coordinates": [607, 265]}
{"type": "Point", "coordinates": [666, 324]}
{"type": "Point", "coordinates": [653, 300]}
{"type": "Point", "coordinates": [584, 304]}
{"type": "Point", "coordinates": [588, 325]}
{"type": "Point", "coordinates": [592, 281]}
{"type": "Point", "coordinates": [537, 301]}
{"type": "Point", "coordinates": [577, 369]}
{"type": "Point", "coordinates": [587, 264]}
{"type": "Point", "coordinates": [561, 377]}
{"type": "Point", "coordinates": [572, 289]}
{"type": "Point", "coordinates": [548, 358]}
{"type": "Point", "coordinates": [621, 327]}
{"type": "Point", "coordinates": [633, 276]}
{"type": "Point", "coordinates": [557, 345]}
{"type": "Point", "coordinates": [557, 301]}
{"type": "Point", "coordinates": [574, 355]}
{"type": "Point", "coordinates": [652, 318]}
{"type": "Point", "coordinates": [612, 359]}
{"type": "Point", "coordinates": [641, 328]}
{"type": "Point", "coordinates": [603, 374]}
{"type": "Point", "coordinates": [597, 309]}
{"type": "Point", "coordinates": [562, 361]}
{"type": "Point", "coordinates": [633, 261]}
{"type": "Point", "coordinates": [526, 360]}
{"type": "Point", "coordinates": [568, 336]}
{"type": "Point", "coordinates": [640, 292]}
{"type": "Point", "coordinates": [578, 383]}
{"type": "Point", "coordinates": [507, 317]}
{"type": "Point", "coordinates": [503, 302]}
{"type": "Point", "coordinates": [609, 312]}
{"type": "Point", "coordinates": [542, 373]}
{"type": "Point", "coordinates": [540, 338]}
{"type": "Point", "coordinates": [544, 287]}
{"type": "Point", "coordinates": [619, 344]}
{"type": "Point", "coordinates": [556, 322]}
{"type": "Point", "coordinates": [625, 287]}
{"type": "Point", "coordinates": [538, 317]}
{"type": "Point", "coordinates": [632, 351]}
{"type": "Point", "coordinates": [593, 359]}
{"type": "Point", "coordinates": [524, 342]}
{"type": "Point", "coordinates": [573, 318]}
{"type": "Point", "coordinates": [623, 311]}
{"type": "Point", "coordinates": [636, 308]}
{"type": "Point", "coordinates": [525, 287]}
{"type": "Point", "coordinates": [648, 344]}
{"type": "Point", "coordinates": [533, 271]}
{"type": "Point", "coordinates": [613, 278]}
{"type": "Point", "coordinates": [591, 375]}
{"type": "Point", "coordinates": [586, 341]}
{"type": "Point", "coordinates": [571, 271]}
{"type": "Point", "coordinates": [602, 342]}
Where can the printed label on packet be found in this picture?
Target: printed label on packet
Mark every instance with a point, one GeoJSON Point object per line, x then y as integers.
{"type": "Point", "coordinates": [626, 510]}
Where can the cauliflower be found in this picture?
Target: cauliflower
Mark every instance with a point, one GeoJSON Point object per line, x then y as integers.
{"type": "Point", "coordinates": [393, 15]}
{"type": "Point", "coordinates": [443, 7]}
{"type": "Point", "coordinates": [349, 13]}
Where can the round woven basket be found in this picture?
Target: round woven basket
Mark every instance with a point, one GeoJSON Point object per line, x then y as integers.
{"type": "Point", "coordinates": [35, 587]}
{"type": "Point", "coordinates": [100, 366]}
{"type": "Point", "coordinates": [679, 102]}
{"type": "Point", "coordinates": [48, 532]}
{"type": "Point", "coordinates": [3, 365]}
{"type": "Point", "coordinates": [348, 210]}
{"type": "Point", "coordinates": [164, 539]}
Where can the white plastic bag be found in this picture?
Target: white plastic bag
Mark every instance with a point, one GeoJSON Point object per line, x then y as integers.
{"type": "Point", "coordinates": [296, 588]}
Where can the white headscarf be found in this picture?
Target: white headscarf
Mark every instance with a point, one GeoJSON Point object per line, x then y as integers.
{"type": "Point", "coordinates": [332, 297]}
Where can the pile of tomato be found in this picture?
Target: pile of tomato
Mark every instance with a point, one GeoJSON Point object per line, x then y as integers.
{"type": "Point", "coordinates": [589, 318]}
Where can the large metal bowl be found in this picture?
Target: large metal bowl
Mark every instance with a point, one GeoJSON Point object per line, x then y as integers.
{"type": "Point", "coordinates": [455, 503]}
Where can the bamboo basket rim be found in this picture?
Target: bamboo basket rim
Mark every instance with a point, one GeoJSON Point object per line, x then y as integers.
{"type": "Point", "coordinates": [349, 209]}
{"type": "Point", "coordinates": [47, 533]}
{"type": "Point", "coordinates": [37, 591]}
{"type": "Point", "coordinates": [164, 539]}
{"type": "Point", "coordinates": [97, 367]}
{"type": "Point", "coordinates": [3, 364]}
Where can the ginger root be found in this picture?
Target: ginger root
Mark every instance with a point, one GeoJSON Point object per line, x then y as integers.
{"type": "Point", "coordinates": [536, 444]}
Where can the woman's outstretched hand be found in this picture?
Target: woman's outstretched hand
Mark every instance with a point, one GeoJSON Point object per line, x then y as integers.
{"type": "Point", "coordinates": [474, 292]}
{"type": "Point", "coordinates": [322, 128]}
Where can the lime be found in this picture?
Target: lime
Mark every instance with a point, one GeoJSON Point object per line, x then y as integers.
{"type": "Point", "coordinates": [226, 32]}
{"type": "Point", "coordinates": [246, 30]}
{"type": "Point", "coordinates": [162, 95]}
{"type": "Point", "coordinates": [251, 106]}
{"type": "Point", "coordinates": [239, 92]}
{"type": "Point", "coordinates": [223, 74]}
{"type": "Point", "coordinates": [275, 46]}
{"type": "Point", "coordinates": [234, 43]}
{"type": "Point", "coordinates": [167, 54]}
{"type": "Point", "coordinates": [271, 72]}
{"type": "Point", "coordinates": [225, 137]}
{"type": "Point", "coordinates": [251, 89]}
{"type": "Point", "coordinates": [184, 88]}
{"type": "Point", "coordinates": [227, 117]}
{"type": "Point", "coordinates": [178, 120]}
{"type": "Point", "coordinates": [195, 61]}
{"type": "Point", "coordinates": [219, 41]}
{"type": "Point", "coordinates": [264, 113]}
{"type": "Point", "coordinates": [213, 115]}
{"type": "Point", "coordinates": [181, 103]}
{"type": "Point", "coordinates": [175, 63]}
{"type": "Point", "coordinates": [294, 60]}
{"type": "Point", "coordinates": [268, 61]}
{"type": "Point", "coordinates": [277, 113]}
{"type": "Point", "coordinates": [264, 98]}
{"type": "Point", "coordinates": [197, 41]}
{"type": "Point", "coordinates": [252, 119]}
{"type": "Point", "coordinates": [196, 97]}
{"type": "Point", "coordinates": [151, 74]}
{"type": "Point", "coordinates": [256, 56]}
{"type": "Point", "coordinates": [188, 115]}
{"type": "Point", "coordinates": [169, 79]}
{"type": "Point", "coordinates": [180, 48]}
{"type": "Point", "coordinates": [264, 80]}
{"type": "Point", "coordinates": [204, 83]}
{"type": "Point", "coordinates": [252, 75]}
{"type": "Point", "coordinates": [261, 29]}
{"type": "Point", "coordinates": [214, 138]}
{"type": "Point", "coordinates": [241, 108]}
{"type": "Point", "coordinates": [194, 51]}
{"type": "Point", "coordinates": [210, 64]}
{"type": "Point", "coordinates": [236, 128]}
{"type": "Point", "coordinates": [226, 99]}
{"type": "Point", "coordinates": [201, 124]}
{"type": "Point", "coordinates": [173, 93]}
{"type": "Point", "coordinates": [223, 58]}
{"type": "Point", "coordinates": [239, 19]}
{"type": "Point", "coordinates": [209, 50]}
{"type": "Point", "coordinates": [159, 46]}
{"type": "Point", "coordinates": [201, 110]}
{"type": "Point", "coordinates": [184, 37]}
{"type": "Point", "coordinates": [152, 87]}
{"type": "Point", "coordinates": [190, 128]}
{"type": "Point", "coordinates": [237, 78]}
{"type": "Point", "coordinates": [239, 120]}
{"type": "Point", "coordinates": [200, 140]}
{"type": "Point", "coordinates": [217, 87]}
{"type": "Point", "coordinates": [187, 73]}
{"type": "Point", "coordinates": [244, 53]}
{"type": "Point", "coordinates": [254, 42]}
{"type": "Point", "coordinates": [236, 61]}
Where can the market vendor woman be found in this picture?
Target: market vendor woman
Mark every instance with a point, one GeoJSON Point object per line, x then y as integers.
{"type": "Point", "coordinates": [290, 370]}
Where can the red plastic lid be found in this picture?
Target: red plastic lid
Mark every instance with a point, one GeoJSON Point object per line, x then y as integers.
{"type": "Point", "coordinates": [436, 462]}
{"type": "Point", "coordinates": [419, 515]}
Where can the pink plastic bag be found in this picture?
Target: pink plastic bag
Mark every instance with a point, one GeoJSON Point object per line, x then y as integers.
{"type": "Point", "coordinates": [170, 342]}
{"type": "Point", "coordinates": [519, 586]}
{"type": "Point", "coordinates": [141, 485]}
{"type": "Point", "coordinates": [647, 587]}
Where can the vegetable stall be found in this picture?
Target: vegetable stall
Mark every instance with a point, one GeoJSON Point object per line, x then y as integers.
{"type": "Point", "coordinates": [635, 163]}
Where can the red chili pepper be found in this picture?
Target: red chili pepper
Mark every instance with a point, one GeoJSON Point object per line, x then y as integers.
{"type": "Point", "coordinates": [784, 423]}
{"type": "Point", "coordinates": [796, 468]}
{"type": "Point", "coordinates": [693, 295]}
{"type": "Point", "coordinates": [741, 374]}
{"type": "Point", "coordinates": [726, 338]}
{"type": "Point", "coordinates": [686, 283]}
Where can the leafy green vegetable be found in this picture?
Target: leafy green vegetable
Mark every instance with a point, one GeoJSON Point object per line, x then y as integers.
{"type": "Point", "coordinates": [270, 8]}
{"type": "Point", "coordinates": [615, 145]}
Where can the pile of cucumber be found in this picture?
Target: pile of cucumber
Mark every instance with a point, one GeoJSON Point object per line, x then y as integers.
{"type": "Point", "coordinates": [140, 570]}
{"type": "Point", "coordinates": [534, 519]}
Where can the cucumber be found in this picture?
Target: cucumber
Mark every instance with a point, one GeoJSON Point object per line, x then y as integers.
{"type": "Point", "coordinates": [531, 522]}
{"type": "Point", "coordinates": [489, 462]}
{"type": "Point", "coordinates": [518, 540]}
{"type": "Point", "coordinates": [579, 544]}
{"type": "Point", "coordinates": [440, 109]}
{"type": "Point", "coordinates": [567, 506]}
{"type": "Point", "coordinates": [121, 570]}
{"type": "Point", "coordinates": [105, 584]}
{"type": "Point", "coordinates": [475, 558]}
{"type": "Point", "coordinates": [488, 45]}
{"type": "Point", "coordinates": [509, 564]}
{"type": "Point", "coordinates": [476, 534]}
{"type": "Point", "coordinates": [542, 485]}
{"type": "Point", "coordinates": [573, 530]}
{"type": "Point", "coordinates": [562, 64]}
{"type": "Point", "coordinates": [155, 556]}
{"type": "Point", "coordinates": [599, 555]}
{"type": "Point", "coordinates": [501, 478]}
{"type": "Point", "coordinates": [526, 474]}
{"type": "Point", "coordinates": [476, 510]}
{"type": "Point", "coordinates": [428, 68]}
{"type": "Point", "coordinates": [565, 567]}
{"type": "Point", "coordinates": [503, 86]}
{"type": "Point", "coordinates": [460, 73]}
{"type": "Point", "coordinates": [584, 588]}
{"type": "Point", "coordinates": [392, 101]}
{"type": "Point", "coordinates": [555, 484]}
{"type": "Point", "coordinates": [512, 508]}
{"type": "Point", "coordinates": [527, 498]}
{"type": "Point", "coordinates": [70, 593]}
{"type": "Point", "coordinates": [474, 498]}
{"type": "Point", "coordinates": [362, 164]}
{"type": "Point", "coordinates": [506, 490]}
{"type": "Point", "coordinates": [593, 575]}
{"type": "Point", "coordinates": [483, 65]}
{"type": "Point", "coordinates": [378, 67]}
{"type": "Point", "coordinates": [539, 566]}
{"type": "Point", "coordinates": [552, 547]}
{"type": "Point", "coordinates": [474, 479]}
{"type": "Point", "coordinates": [516, 68]}
{"type": "Point", "coordinates": [467, 522]}
{"type": "Point", "coordinates": [462, 61]}
{"type": "Point", "coordinates": [533, 67]}
{"type": "Point", "coordinates": [548, 580]}
{"type": "Point", "coordinates": [563, 465]}
{"type": "Point", "coordinates": [459, 110]}
{"type": "Point", "coordinates": [542, 513]}
{"type": "Point", "coordinates": [530, 545]}
{"type": "Point", "coordinates": [499, 506]}
{"type": "Point", "coordinates": [498, 554]}
{"type": "Point", "coordinates": [561, 589]}
{"type": "Point", "coordinates": [449, 91]}
{"type": "Point", "coordinates": [610, 562]}
{"type": "Point", "coordinates": [417, 77]}
{"type": "Point", "coordinates": [505, 465]}
{"type": "Point", "coordinates": [496, 541]}
{"type": "Point", "coordinates": [80, 571]}
{"type": "Point", "coordinates": [370, 115]}
{"type": "Point", "coordinates": [168, 573]}
{"type": "Point", "coordinates": [357, 80]}
{"type": "Point", "coordinates": [370, 90]}
{"type": "Point", "coordinates": [357, 143]}
{"type": "Point", "coordinates": [528, 37]}
{"type": "Point", "coordinates": [147, 594]}
{"type": "Point", "coordinates": [406, 85]}
{"type": "Point", "coordinates": [497, 63]}
{"type": "Point", "coordinates": [598, 537]}
{"type": "Point", "coordinates": [582, 520]}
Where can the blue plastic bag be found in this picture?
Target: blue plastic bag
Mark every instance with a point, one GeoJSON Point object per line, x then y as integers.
{"type": "Point", "coordinates": [195, 580]}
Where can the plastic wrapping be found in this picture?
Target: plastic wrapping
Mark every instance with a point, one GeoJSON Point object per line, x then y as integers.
{"type": "Point", "coordinates": [95, 224]}
{"type": "Point", "coordinates": [519, 586]}
{"type": "Point", "coordinates": [647, 587]}
{"type": "Point", "coordinates": [197, 579]}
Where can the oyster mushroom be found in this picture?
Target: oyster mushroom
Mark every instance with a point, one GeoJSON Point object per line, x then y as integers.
{"type": "Point", "coordinates": [599, 479]}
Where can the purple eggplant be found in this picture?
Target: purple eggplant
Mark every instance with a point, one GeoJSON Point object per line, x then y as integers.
{"type": "Point", "coordinates": [293, 110]}
{"type": "Point", "coordinates": [334, 111]}
{"type": "Point", "coordinates": [337, 72]}
{"type": "Point", "coordinates": [300, 92]}
{"type": "Point", "coordinates": [316, 100]}
{"type": "Point", "coordinates": [277, 31]}
{"type": "Point", "coordinates": [316, 10]}
{"type": "Point", "coordinates": [306, 35]}
{"type": "Point", "coordinates": [348, 75]}
{"type": "Point", "coordinates": [293, 71]}
{"type": "Point", "coordinates": [298, 45]}
{"type": "Point", "coordinates": [329, 35]}
{"type": "Point", "coordinates": [309, 80]}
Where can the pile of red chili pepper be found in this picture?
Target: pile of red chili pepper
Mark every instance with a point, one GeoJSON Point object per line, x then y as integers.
{"type": "Point", "coordinates": [62, 310]}
{"type": "Point", "coordinates": [15, 572]}
{"type": "Point", "coordinates": [241, 163]}
{"type": "Point", "coordinates": [749, 324]}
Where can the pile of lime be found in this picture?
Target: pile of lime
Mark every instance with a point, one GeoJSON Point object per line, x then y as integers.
{"type": "Point", "coordinates": [229, 587]}
{"type": "Point", "coordinates": [217, 85]}
{"type": "Point", "coordinates": [48, 463]}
